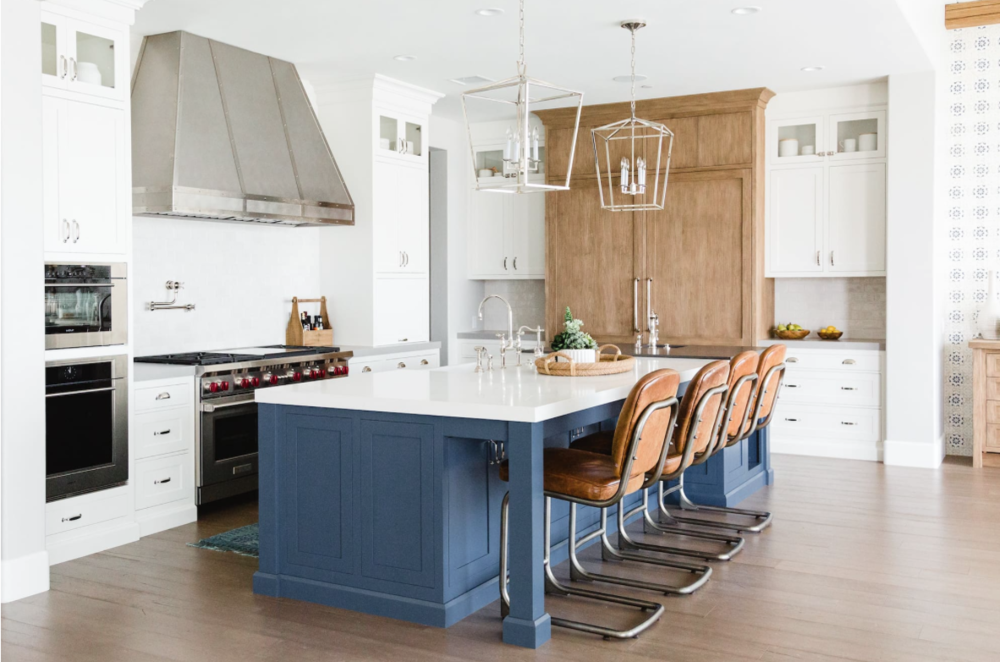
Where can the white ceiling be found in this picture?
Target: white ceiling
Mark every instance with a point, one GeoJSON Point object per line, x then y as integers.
{"type": "Point", "coordinates": [689, 46]}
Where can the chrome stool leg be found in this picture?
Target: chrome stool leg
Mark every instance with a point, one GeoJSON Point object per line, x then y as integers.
{"type": "Point", "coordinates": [552, 585]}
{"type": "Point", "coordinates": [609, 553]}
{"type": "Point", "coordinates": [764, 518]}
{"type": "Point", "coordinates": [625, 542]}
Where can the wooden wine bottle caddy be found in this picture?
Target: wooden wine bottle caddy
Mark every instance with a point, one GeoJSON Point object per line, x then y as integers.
{"type": "Point", "coordinates": [296, 335]}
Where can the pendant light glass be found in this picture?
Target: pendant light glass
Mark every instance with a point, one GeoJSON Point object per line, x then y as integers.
{"type": "Point", "coordinates": [635, 155]}
{"type": "Point", "coordinates": [509, 103]}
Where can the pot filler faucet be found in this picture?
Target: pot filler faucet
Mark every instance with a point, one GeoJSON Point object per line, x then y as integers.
{"type": "Point", "coordinates": [506, 342]}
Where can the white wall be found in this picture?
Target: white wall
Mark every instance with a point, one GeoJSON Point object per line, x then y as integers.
{"type": "Point", "coordinates": [240, 276]}
{"type": "Point", "coordinates": [913, 320]}
{"type": "Point", "coordinates": [25, 565]}
{"type": "Point", "coordinates": [464, 295]}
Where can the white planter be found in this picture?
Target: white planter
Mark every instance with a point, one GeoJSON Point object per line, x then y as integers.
{"type": "Point", "coordinates": [579, 355]}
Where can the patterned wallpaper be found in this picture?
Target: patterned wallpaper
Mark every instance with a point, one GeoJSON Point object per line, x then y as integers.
{"type": "Point", "coordinates": [973, 191]}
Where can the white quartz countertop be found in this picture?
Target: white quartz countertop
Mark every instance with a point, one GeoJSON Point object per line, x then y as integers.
{"type": "Point", "coordinates": [815, 342]}
{"type": "Point", "coordinates": [154, 372]}
{"type": "Point", "coordinates": [514, 394]}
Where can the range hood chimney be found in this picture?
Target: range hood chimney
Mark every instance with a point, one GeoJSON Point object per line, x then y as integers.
{"type": "Point", "coordinates": [221, 133]}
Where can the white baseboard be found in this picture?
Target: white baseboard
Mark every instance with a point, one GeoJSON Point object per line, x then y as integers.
{"type": "Point", "coordinates": [915, 454]}
{"type": "Point", "coordinates": [91, 540]}
{"type": "Point", "coordinates": [161, 520]}
{"type": "Point", "coordinates": [24, 576]}
{"type": "Point", "coordinates": [844, 450]}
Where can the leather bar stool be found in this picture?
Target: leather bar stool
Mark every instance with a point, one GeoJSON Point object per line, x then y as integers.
{"type": "Point", "coordinates": [742, 388]}
{"type": "Point", "coordinates": [770, 377]}
{"type": "Point", "coordinates": [603, 480]}
{"type": "Point", "coordinates": [702, 414]}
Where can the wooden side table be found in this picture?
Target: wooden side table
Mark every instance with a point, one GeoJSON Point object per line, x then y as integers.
{"type": "Point", "coordinates": [985, 399]}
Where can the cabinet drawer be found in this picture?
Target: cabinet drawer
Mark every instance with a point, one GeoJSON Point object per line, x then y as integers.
{"type": "Point", "coordinates": [359, 366]}
{"type": "Point", "coordinates": [863, 361]}
{"type": "Point", "coordinates": [993, 438]}
{"type": "Point", "coordinates": [163, 397]}
{"type": "Point", "coordinates": [160, 433]}
{"type": "Point", "coordinates": [993, 412]}
{"type": "Point", "coordinates": [803, 421]}
{"type": "Point", "coordinates": [162, 480]}
{"type": "Point", "coordinates": [862, 389]}
{"type": "Point", "coordinates": [993, 365]}
{"type": "Point", "coordinates": [993, 388]}
{"type": "Point", "coordinates": [69, 514]}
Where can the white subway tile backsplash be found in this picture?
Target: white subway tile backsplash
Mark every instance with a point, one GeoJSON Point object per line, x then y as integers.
{"type": "Point", "coordinates": [526, 297]}
{"type": "Point", "coordinates": [856, 306]}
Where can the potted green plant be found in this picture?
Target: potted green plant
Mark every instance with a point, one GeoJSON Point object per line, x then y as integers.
{"type": "Point", "coordinates": [575, 343]}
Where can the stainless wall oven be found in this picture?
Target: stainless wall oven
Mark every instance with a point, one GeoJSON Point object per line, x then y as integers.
{"type": "Point", "coordinates": [86, 425]}
{"type": "Point", "coordinates": [85, 304]}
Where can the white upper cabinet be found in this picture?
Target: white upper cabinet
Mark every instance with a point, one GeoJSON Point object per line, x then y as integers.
{"type": "Point", "coordinates": [85, 184]}
{"type": "Point", "coordinates": [856, 223]}
{"type": "Point", "coordinates": [84, 57]}
{"type": "Point", "coordinates": [826, 211]}
{"type": "Point", "coordinates": [400, 136]}
{"type": "Point", "coordinates": [795, 238]}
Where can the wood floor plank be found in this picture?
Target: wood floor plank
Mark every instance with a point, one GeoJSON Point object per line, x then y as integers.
{"type": "Point", "coordinates": [863, 562]}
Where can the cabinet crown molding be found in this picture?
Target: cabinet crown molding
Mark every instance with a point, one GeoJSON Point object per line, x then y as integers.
{"type": "Point", "coordinates": [121, 11]}
{"type": "Point", "coordinates": [692, 104]}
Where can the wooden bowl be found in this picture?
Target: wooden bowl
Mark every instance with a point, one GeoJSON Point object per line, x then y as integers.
{"type": "Point", "coordinates": [792, 335]}
{"type": "Point", "coordinates": [830, 336]}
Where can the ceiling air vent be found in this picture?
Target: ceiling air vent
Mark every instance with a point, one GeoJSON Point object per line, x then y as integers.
{"type": "Point", "coordinates": [471, 80]}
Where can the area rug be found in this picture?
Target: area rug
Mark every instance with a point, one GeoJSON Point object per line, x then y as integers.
{"type": "Point", "coordinates": [244, 540]}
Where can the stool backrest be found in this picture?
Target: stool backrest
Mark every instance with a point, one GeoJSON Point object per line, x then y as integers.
{"type": "Point", "coordinates": [657, 386]}
{"type": "Point", "coordinates": [767, 383]}
{"type": "Point", "coordinates": [701, 427]}
{"type": "Point", "coordinates": [741, 395]}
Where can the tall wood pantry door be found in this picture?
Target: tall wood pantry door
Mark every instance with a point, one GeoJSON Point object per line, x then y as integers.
{"type": "Point", "coordinates": [593, 260]}
{"type": "Point", "coordinates": [698, 255]}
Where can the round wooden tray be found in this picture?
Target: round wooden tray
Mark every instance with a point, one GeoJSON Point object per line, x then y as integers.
{"type": "Point", "coordinates": [607, 364]}
{"type": "Point", "coordinates": [792, 335]}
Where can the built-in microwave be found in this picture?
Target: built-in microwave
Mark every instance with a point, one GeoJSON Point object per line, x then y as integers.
{"type": "Point", "coordinates": [85, 304]}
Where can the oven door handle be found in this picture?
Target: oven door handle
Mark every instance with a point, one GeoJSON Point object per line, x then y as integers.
{"type": "Point", "coordinates": [89, 390]}
{"type": "Point", "coordinates": [94, 283]}
{"type": "Point", "coordinates": [209, 407]}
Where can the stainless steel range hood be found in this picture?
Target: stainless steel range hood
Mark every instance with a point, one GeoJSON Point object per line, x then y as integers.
{"type": "Point", "coordinates": [221, 133]}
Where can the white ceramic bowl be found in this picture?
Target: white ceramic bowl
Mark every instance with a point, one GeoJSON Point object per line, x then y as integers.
{"type": "Point", "coordinates": [87, 72]}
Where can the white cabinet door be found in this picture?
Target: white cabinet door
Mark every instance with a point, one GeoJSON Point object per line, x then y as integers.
{"type": "Point", "coordinates": [56, 225]}
{"type": "Point", "coordinates": [486, 250]}
{"type": "Point", "coordinates": [91, 176]}
{"type": "Point", "coordinates": [83, 57]}
{"type": "Point", "coordinates": [796, 220]}
{"type": "Point", "coordinates": [855, 136]}
{"type": "Point", "coordinates": [413, 217]}
{"type": "Point", "coordinates": [528, 240]}
{"type": "Point", "coordinates": [402, 310]}
{"type": "Point", "coordinates": [856, 219]}
{"type": "Point", "coordinates": [385, 218]}
{"type": "Point", "coordinates": [795, 138]}
{"type": "Point", "coordinates": [55, 64]}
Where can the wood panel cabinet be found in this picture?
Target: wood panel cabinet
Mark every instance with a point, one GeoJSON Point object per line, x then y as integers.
{"type": "Point", "coordinates": [699, 263]}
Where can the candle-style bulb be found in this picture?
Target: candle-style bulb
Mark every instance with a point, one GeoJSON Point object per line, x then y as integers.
{"type": "Point", "coordinates": [625, 169]}
{"type": "Point", "coordinates": [507, 146]}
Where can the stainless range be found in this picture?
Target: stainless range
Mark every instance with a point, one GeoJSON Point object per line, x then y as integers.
{"type": "Point", "coordinates": [226, 418]}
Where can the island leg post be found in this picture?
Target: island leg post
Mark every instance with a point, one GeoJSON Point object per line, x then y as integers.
{"type": "Point", "coordinates": [528, 624]}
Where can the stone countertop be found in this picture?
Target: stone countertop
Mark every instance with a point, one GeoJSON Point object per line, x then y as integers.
{"type": "Point", "coordinates": [408, 348]}
{"type": "Point", "coordinates": [716, 352]}
{"type": "Point", "coordinates": [512, 394]}
{"type": "Point", "coordinates": [816, 342]}
{"type": "Point", "coordinates": [154, 372]}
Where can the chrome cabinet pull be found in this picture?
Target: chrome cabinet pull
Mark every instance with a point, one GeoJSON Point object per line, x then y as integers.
{"type": "Point", "coordinates": [64, 64]}
{"type": "Point", "coordinates": [792, 420]}
{"type": "Point", "coordinates": [76, 226]}
{"type": "Point", "coordinates": [515, 264]}
{"type": "Point", "coordinates": [425, 362]}
{"type": "Point", "coordinates": [848, 388]}
{"type": "Point", "coordinates": [164, 481]}
{"type": "Point", "coordinates": [73, 518]}
{"type": "Point", "coordinates": [400, 365]}
{"type": "Point", "coordinates": [818, 263]}
{"type": "Point", "coordinates": [366, 369]}
{"type": "Point", "coordinates": [791, 385]}
{"type": "Point", "coordinates": [831, 259]}
{"type": "Point", "coordinates": [848, 362]}
{"type": "Point", "coordinates": [66, 234]}
{"type": "Point", "coordinates": [649, 303]}
{"type": "Point", "coordinates": [847, 423]}
{"type": "Point", "coordinates": [73, 60]}
{"type": "Point", "coordinates": [635, 306]}
{"type": "Point", "coordinates": [791, 359]}
{"type": "Point", "coordinates": [163, 396]}
{"type": "Point", "coordinates": [161, 432]}
{"type": "Point", "coordinates": [505, 264]}
{"type": "Point", "coordinates": [403, 340]}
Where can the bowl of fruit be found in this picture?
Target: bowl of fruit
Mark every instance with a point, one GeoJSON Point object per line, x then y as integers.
{"type": "Point", "coordinates": [830, 333]}
{"type": "Point", "coordinates": [791, 332]}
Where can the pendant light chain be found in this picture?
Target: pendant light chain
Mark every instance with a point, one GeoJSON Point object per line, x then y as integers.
{"type": "Point", "coordinates": [520, 55]}
{"type": "Point", "coordinates": [632, 30]}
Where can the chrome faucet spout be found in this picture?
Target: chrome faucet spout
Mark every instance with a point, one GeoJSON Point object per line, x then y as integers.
{"type": "Point", "coordinates": [510, 315]}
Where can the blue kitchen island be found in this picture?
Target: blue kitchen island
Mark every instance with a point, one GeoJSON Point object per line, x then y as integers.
{"type": "Point", "coordinates": [381, 493]}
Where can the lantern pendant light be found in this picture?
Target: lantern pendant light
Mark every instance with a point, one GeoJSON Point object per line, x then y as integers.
{"type": "Point", "coordinates": [521, 168]}
{"type": "Point", "coordinates": [632, 143]}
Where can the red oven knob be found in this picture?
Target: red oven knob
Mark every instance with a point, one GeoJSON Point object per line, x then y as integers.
{"type": "Point", "coordinates": [345, 370]}
{"type": "Point", "coordinates": [273, 380]}
{"type": "Point", "coordinates": [244, 383]}
{"type": "Point", "coordinates": [225, 386]}
{"type": "Point", "coordinates": [297, 376]}
{"type": "Point", "coordinates": [214, 387]}
{"type": "Point", "coordinates": [255, 381]}
{"type": "Point", "coordinates": [341, 370]}
{"type": "Point", "coordinates": [334, 370]}
{"type": "Point", "coordinates": [313, 374]}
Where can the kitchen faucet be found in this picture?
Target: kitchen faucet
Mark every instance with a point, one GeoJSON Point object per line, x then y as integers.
{"type": "Point", "coordinates": [506, 342]}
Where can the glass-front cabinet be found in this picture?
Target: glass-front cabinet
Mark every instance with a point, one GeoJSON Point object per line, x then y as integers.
{"type": "Point", "coordinates": [82, 57]}
{"type": "Point", "coordinates": [799, 140]}
{"type": "Point", "coordinates": [400, 136]}
{"type": "Point", "coordinates": [856, 136]}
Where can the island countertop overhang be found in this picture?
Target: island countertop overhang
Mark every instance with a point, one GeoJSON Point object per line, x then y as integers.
{"type": "Point", "coordinates": [511, 394]}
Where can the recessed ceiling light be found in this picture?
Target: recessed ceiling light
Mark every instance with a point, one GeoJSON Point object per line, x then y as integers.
{"type": "Point", "coordinates": [816, 68]}
{"type": "Point", "coordinates": [405, 58]}
{"type": "Point", "coordinates": [628, 79]}
{"type": "Point", "coordinates": [489, 11]}
{"type": "Point", "coordinates": [746, 11]}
